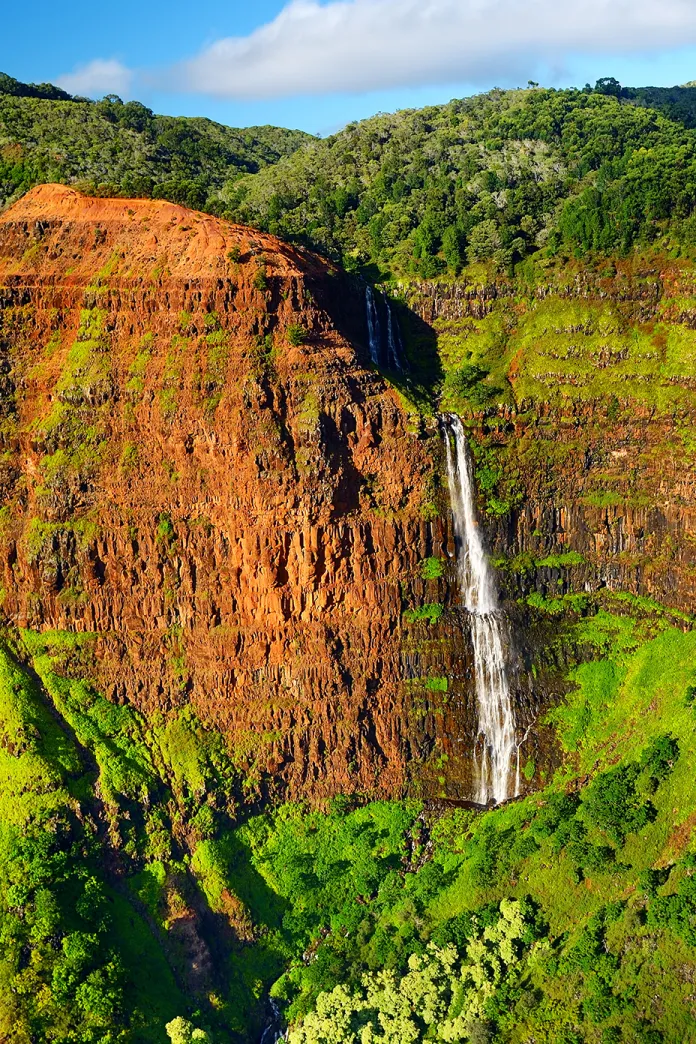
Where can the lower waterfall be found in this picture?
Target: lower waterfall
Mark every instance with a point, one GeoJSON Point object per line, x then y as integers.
{"type": "Point", "coordinates": [496, 738]}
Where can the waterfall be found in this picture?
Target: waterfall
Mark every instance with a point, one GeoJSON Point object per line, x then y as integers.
{"type": "Point", "coordinates": [489, 631]}
{"type": "Point", "coordinates": [394, 346]}
{"type": "Point", "coordinates": [374, 331]}
{"type": "Point", "coordinates": [274, 1028]}
{"type": "Point", "coordinates": [390, 354]}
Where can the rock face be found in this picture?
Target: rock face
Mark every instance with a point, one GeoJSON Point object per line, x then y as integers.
{"type": "Point", "coordinates": [198, 465]}
{"type": "Point", "coordinates": [597, 456]}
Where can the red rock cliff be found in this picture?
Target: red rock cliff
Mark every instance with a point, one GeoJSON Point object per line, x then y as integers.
{"type": "Point", "coordinates": [200, 467]}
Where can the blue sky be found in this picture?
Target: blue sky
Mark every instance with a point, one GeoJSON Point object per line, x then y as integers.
{"type": "Point", "coordinates": [317, 64]}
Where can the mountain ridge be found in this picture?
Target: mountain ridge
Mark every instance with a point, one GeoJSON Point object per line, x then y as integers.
{"type": "Point", "coordinates": [123, 148]}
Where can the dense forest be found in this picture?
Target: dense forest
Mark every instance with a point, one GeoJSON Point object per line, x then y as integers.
{"type": "Point", "coordinates": [493, 178]}
{"type": "Point", "coordinates": [115, 148]}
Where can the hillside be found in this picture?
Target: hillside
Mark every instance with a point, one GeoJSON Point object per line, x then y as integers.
{"type": "Point", "coordinates": [492, 178]}
{"type": "Point", "coordinates": [124, 149]}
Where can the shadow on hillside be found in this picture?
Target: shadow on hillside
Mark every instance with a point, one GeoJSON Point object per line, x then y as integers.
{"type": "Point", "coordinates": [344, 299]}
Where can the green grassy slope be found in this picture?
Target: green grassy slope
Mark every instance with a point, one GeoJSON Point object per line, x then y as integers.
{"type": "Point", "coordinates": [73, 945]}
{"type": "Point", "coordinates": [564, 347]}
{"type": "Point", "coordinates": [600, 861]}
{"type": "Point", "coordinates": [93, 805]}
{"type": "Point", "coordinates": [567, 916]}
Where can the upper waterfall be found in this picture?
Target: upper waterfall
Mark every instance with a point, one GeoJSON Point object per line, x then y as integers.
{"type": "Point", "coordinates": [374, 332]}
{"type": "Point", "coordinates": [384, 351]}
{"type": "Point", "coordinates": [489, 631]}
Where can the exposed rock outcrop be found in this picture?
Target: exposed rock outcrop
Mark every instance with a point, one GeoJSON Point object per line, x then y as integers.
{"type": "Point", "coordinates": [198, 465]}
{"type": "Point", "coordinates": [597, 451]}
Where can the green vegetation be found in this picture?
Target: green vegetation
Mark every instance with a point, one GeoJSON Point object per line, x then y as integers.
{"type": "Point", "coordinates": [92, 799]}
{"type": "Point", "coordinates": [557, 918]}
{"type": "Point", "coordinates": [430, 612]}
{"type": "Point", "coordinates": [124, 149]}
{"type": "Point", "coordinates": [489, 179]}
{"type": "Point", "coordinates": [70, 968]}
{"type": "Point", "coordinates": [486, 180]}
{"type": "Point", "coordinates": [296, 334]}
{"type": "Point", "coordinates": [181, 1031]}
{"type": "Point", "coordinates": [443, 995]}
{"type": "Point", "coordinates": [133, 840]}
{"type": "Point", "coordinates": [432, 568]}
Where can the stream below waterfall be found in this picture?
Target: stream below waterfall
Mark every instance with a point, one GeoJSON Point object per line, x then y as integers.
{"type": "Point", "coordinates": [274, 1030]}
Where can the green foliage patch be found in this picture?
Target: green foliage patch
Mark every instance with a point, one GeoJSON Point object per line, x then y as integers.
{"type": "Point", "coordinates": [116, 148]}
{"type": "Point", "coordinates": [71, 944]}
{"type": "Point", "coordinates": [482, 180]}
{"type": "Point", "coordinates": [430, 613]}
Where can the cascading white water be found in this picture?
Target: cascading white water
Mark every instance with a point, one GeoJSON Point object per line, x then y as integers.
{"type": "Point", "coordinates": [489, 632]}
{"type": "Point", "coordinates": [274, 1030]}
{"type": "Point", "coordinates": [374, 332]}
{"type": "Point", "coordinates": [393, 339]}
{"type": "Point", "coordinates": [390, 354]}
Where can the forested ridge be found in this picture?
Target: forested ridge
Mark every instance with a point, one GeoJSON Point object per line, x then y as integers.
{"type": "Point", "coordinates": [111, 147]}
{"type": "Point", "coordinates": [494, 177]}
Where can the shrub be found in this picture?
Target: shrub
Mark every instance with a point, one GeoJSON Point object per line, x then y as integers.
{"type": "Point", "coordinates": [650, 880]}
{"type": "Point", "coordinates": [612, 803]}
{"type": "Point", "coordinates": [658, 759]}
{"type": "Point", "coordinates": [296, 334]}
{"type": "Point", "coordinates": [165, 529]}
{"type": "Point", "coordinates": [430, 613]}
{"type": "Point", "coordinates": [129, 456]}
{"type": "Point", "coordinates": [466, 383]}
{"type": "Point", "coordinates": [261, 279]}
{"type": "Point", "coordinates": [559, 808]}
{"type": "Point", "coordinates": [432, 568]}
{"type": "Point", "coordinates": [181, 1031]}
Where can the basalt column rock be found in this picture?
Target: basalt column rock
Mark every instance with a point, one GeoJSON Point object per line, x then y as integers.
{"type": "Point", "coordinates": [594, 443]}
{"type": "Point", "coordinates": [199, 467]}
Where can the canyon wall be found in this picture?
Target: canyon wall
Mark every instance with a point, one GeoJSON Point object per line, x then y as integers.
{"type": "Point", "coordinates": [595, 451]}
{"type": "Point", "coordinates": [199, 467]}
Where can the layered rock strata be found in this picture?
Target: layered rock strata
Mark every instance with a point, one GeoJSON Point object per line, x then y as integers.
{"type": "Point", "coordinates": [199, 466]}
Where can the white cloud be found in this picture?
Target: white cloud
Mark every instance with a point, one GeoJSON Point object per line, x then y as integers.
{"type": "Point", "coordinates": [97, 78]}
{"type": "Point", "coordinates": [362, 45]}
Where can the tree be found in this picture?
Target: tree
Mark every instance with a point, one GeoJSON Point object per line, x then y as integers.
{"type": "Point", "coordinates": [452, 248]}
{"type": "Point", "coordinates": [444, 995]}
{"type": "Point", "coordinates": [609, 85]}
{"type": "Point", "coordinates": [181, 1031]}
{"type": "Point", "coordinates": [484, 240]}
